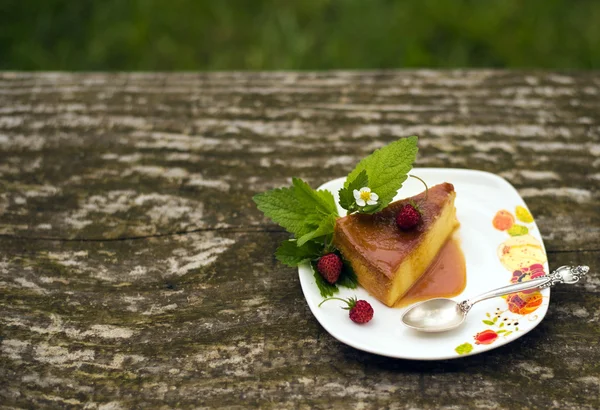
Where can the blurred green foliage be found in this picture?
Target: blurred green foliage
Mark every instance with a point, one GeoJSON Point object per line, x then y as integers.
{"type": "Point", "coordinates": [297, 34]}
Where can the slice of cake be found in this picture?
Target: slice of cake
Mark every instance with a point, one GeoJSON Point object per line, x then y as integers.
{"type": "Point", "coordinates": [387, 260]}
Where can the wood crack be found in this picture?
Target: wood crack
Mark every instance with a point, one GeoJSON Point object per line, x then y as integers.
{"type": "Point", "coordinates": [227, 230]}
{"type": "Point", "coordinates": [133, 238]}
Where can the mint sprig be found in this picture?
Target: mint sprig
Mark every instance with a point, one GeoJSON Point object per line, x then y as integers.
{"type": "Point", "coordinates": [310, 215]}
{"type": "Point", "coordinates": [386, 169]}
{"type": "Point", "coordinates": [302, 211]}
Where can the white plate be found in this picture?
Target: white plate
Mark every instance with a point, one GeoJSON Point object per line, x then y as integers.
{"type": "Point", "coordinates": [479, 196]}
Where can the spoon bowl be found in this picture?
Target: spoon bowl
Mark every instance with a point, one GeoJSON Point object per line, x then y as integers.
{"type": "Point", "coordinates": [434, 315]}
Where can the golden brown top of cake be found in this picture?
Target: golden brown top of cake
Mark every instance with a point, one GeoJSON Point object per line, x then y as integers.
{"type": "Point", "coordinates": [378, 239]}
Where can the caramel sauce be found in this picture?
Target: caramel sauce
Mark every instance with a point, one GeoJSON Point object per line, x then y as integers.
{"type": "Point", "coordinates": [445, 277]}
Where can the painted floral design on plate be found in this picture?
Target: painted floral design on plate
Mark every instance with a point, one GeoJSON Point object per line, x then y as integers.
{"type": "Point", "coordinates": [524, 257]}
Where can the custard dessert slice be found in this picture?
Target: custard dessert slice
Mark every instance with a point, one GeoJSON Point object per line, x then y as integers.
{"type": "Point", "coordinates": [387, 260]}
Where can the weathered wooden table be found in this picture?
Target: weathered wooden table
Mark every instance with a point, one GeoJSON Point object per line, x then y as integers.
{"type": "Point", "coordinates": [135, 270]}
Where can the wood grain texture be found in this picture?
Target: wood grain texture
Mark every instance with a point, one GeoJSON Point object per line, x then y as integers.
{"type": "Point", "coordinates": [135, 270]}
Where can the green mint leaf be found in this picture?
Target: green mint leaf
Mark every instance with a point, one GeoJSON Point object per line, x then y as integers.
{"type": "Point", "coordinates": [325, 227]}
{"type": "Point", "coordinates": [387, 169]}
{"type": "Point", "coordinates": [299, 209]}
{"type": "Point", "coordinates": [283, 208]}
{"type": "Point", "coordinates": [325, 288]}
{"type": "Point", "coordinates": [289, 253]}
{"type": "Point", "coordinates": [347, 200]}
{"type": "Point", "coordinates": [315, 201]}
{"type": "Point", "coordinates": [347, 277]}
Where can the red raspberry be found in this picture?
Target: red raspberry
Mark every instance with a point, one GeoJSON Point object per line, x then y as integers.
{"type": "Point", "coordinates": [330, 267]}
{"type": "Point", "coordinates": [408, 217]}
{"type": "Point", "coordinates": [361, 311]}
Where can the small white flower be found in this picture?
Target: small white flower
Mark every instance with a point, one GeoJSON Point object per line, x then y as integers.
{"type": "Point", "coordinates": [365, 197]}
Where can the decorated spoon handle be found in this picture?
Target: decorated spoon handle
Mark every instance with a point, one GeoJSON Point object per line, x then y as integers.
{"type": "Point", "coordinates": [564, 274]}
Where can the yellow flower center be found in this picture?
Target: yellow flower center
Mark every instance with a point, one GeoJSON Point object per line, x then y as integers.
{"type": "Point", "coordinates": [365, 196]}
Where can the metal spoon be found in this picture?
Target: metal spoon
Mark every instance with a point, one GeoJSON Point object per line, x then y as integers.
{"type": "Point", "coordinates": [440, 315]}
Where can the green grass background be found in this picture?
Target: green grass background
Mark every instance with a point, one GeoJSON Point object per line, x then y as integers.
{"type": "Point", "coordinates": [297, 34]}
